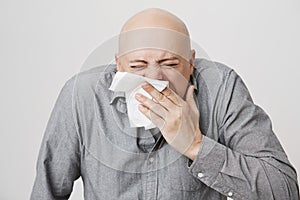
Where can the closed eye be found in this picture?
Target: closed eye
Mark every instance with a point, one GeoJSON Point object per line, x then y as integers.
{"type": "Point", "coordinates": [137, 66]}
{"type": "Point", "coordinates": [170, 65]}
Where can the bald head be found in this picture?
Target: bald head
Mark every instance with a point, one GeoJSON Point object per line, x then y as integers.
{"type": "Point", "coordinates": [155, 37]}
{"type": "Point", "coordinates": [155, 17]}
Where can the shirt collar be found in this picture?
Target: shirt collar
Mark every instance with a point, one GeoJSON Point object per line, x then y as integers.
{"type": "Point", "coordinates": [117, 95]}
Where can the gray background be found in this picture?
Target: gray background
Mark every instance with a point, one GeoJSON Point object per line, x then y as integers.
{"type": "Point", "coordinates": [43, 43]}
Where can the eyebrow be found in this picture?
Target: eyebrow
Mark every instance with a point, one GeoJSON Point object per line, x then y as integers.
{"type": "Point", "coordinates": [138, 60]}
{"type": "Point", "coordinates": [167, 59]}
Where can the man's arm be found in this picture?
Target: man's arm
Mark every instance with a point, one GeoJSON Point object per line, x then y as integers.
{"type": "Point", "coordinates": [58, 164]}
{"type": "Point", "coordinates": [248, 161]}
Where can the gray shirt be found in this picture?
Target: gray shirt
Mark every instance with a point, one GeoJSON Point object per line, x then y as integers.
{"type": "Point", "coordinates": [88, 135]}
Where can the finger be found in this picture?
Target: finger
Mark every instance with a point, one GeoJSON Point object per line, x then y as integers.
{"type": "Point", "coordinates": [153, 117]}
{"type": "Point", "coordinates": [158, 96]}
{"type": "Point", "coordinates": [190, 96]}
{"type": "Point", "coordinates": [153, 106]}
{"type": "Point", "coordinates": [171, 95]}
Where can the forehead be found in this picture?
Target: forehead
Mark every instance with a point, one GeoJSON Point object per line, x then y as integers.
{"type": "Point", "coordinates": [148, 54]}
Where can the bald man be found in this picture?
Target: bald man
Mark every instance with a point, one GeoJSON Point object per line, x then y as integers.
{"type": "Point", "coordinates": [210, 140]}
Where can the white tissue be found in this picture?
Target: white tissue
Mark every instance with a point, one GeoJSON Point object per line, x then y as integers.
{"type": "Point", "coordinates": [131, 84]}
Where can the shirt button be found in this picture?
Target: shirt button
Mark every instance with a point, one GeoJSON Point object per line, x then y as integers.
{"type": "Point", "coordinates": [151, 159]}
{"type": "Point", "coordinates": [200, 175]}
{"type": "Point", "coordinates": [230, 194]}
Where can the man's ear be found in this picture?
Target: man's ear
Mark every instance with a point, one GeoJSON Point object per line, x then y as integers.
{"type": "Point", "coordinates": [117, 62]}
{"type": "Point", "coordinates": [192, 60]}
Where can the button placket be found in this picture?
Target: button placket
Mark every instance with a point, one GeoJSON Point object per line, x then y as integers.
{"type": "Point", "coordinates": [152, 176]}
{"type": "Point", "coordinates": [151, 159]}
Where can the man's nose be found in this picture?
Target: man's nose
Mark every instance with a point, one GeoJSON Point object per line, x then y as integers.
{"type": "Point", "coordinates": [154, 73]}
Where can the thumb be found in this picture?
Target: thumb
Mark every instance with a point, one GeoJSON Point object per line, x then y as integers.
{"type": "Point", "coordinates": [190, 95]}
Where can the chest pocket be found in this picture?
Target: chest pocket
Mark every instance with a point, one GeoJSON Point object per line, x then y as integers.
{"type": "Point", "coordinates": [177, 177]}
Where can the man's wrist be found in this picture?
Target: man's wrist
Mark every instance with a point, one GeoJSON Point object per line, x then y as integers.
{"type": "Point", "coordinates": [192, 152]}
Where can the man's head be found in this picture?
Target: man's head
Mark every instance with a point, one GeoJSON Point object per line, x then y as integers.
{"type": "Point", "coordinates": [157, 63]}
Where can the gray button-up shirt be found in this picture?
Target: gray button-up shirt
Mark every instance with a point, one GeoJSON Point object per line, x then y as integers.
{"type": "Point", "coordinates": [88, 135]}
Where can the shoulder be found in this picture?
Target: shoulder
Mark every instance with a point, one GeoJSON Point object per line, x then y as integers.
{"type": "Point", "coordinates": [96, 78]}
{"type": "Point", "coordinates": [211, 75]}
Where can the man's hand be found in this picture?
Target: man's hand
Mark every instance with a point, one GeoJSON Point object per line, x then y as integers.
{"type": "Point", "coordinates": [177, 119]}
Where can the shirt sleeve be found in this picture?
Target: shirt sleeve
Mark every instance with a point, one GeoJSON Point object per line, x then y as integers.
{"type": "Point", "coordinates": [58, 164]}
{"type": "Point", "coordinates": [247, 161]}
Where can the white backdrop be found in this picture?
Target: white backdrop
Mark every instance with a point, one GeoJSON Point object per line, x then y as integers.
{"type": "Point", "coordinates": [43, 43]}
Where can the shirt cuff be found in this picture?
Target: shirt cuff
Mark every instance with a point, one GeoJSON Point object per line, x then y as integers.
{"type": "Point", "coordinates": [208, 162]}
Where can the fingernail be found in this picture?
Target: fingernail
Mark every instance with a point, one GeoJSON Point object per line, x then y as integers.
{"type": "Point", "coordinates": [139, 96]}
{"type": "Point", "coordinates": [145, 85]}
